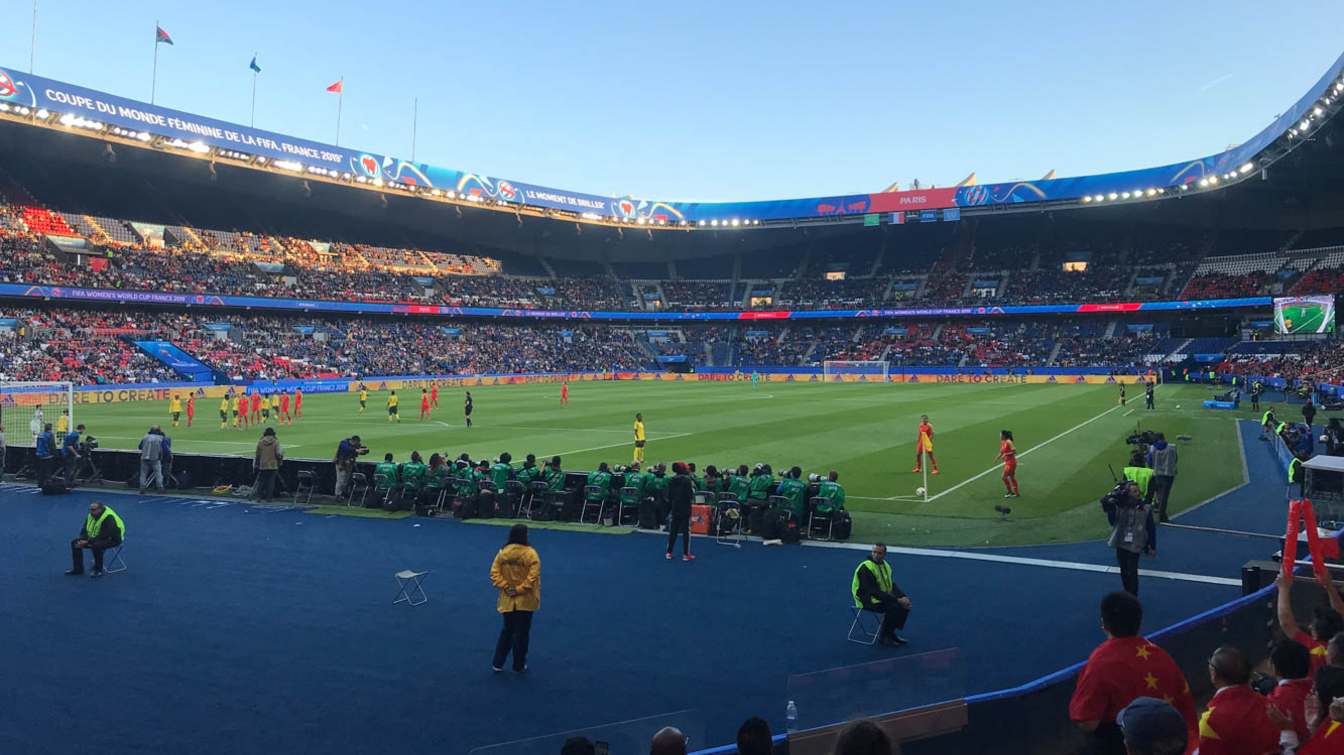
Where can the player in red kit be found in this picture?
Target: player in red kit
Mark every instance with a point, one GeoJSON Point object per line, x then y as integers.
{"type": "Point", "coordinates": [1008, 455]}
{"type": "Point", "coordinates": [434, 395]}
{"type": "Point", "coordinates": [191, 408]}
{"type": "Point", "coordinates": [256, 408]}
{"type": "Point", "coordinates": [298, 402]}
{"type": "Point", "coordinates": [424, 404]}
{"type": "Point", "coordinates": [924, 445]}
{"type": "Point", "coordinates": [564, 394]}
{"type": "Point", "coordinates": [284, 409]}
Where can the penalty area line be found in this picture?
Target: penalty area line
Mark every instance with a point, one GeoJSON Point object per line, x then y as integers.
{"type": "Point", "coordinates": [1042, 444]}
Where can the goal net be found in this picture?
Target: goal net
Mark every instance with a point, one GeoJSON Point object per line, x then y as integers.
{"type": "Point", "coordinates": [847, 371]}
{"type": "Point", "coordinates": [26, 406]}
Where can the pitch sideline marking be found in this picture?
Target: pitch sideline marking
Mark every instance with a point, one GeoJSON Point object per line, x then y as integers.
{"type": "Point", "coordinates": [1042, 444]}
{"type": "Point", "coordinates": [1043, 562]}
{"type": "Point", "coordinates": [630, 443]}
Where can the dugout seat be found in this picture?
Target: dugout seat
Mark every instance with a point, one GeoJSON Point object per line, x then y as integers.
{"type": "Point", "coordinates": [514, 491]}
{"type": "Point", "coordinates": [593, 495]}
{"type": "Point", "coordinates": [305, 485]}
{"type": "Point", "coordinates": [536, 493]}
{"type": "Point", "coordinates": [820, 514]}
{"type": "Point", "coordinates": [359, 488]}
{"type": "Point", "coordinates": [628, 501]}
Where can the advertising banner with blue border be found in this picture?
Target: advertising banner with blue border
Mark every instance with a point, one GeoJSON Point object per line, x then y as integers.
{"type": "Point", "coordinates": [26, 291]}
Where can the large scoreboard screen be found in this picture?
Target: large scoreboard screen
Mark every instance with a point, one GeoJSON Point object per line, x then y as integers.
{"type": "Point", "coordinates": [1294, 315]}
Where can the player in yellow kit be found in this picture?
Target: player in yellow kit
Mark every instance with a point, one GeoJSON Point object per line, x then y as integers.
{"type": "Point", "coordinates": [363, 398]}
{"type": "Point", "coordinates": [63, 424]}
{"type": "Point", "coordinates": [639, 439]}
{"type": "Point", "coordinates": [392, 415]}
{"type": "Point", "coordinates": [224, 412]}
{"type": "Point", "coordinates": [175, 408]}
{"type": "Point", "coordinates": [238, 410]}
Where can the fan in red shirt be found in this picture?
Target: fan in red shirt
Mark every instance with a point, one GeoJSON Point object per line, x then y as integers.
{"type": "Point", "coordinates": [1292, 665]}
{"type": "Point", "coordinates": [1237, 721]}
{"type": "Point", "coordinates": [1121, 669]}
{"type": "Point", "coordinates": [1008, 455]}
{"type": "Point", "coordinates": [924, 445]}
{"type": "Point", "coordinates": [1326, 623]}
{"type": "Point", "coordinates": [191, 408]}
{"type": "Point", "coordinates": [424, 404]}
{"type": "Point", "coordinates": [564, 394]}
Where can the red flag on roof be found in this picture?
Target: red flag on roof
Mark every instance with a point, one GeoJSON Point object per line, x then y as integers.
{"type": "Point", "coordinates": [338, 87]}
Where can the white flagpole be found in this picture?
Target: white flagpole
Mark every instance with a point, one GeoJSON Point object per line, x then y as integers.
{"type": "Point", "coordinates": [154, 78]}
{"type": "Point", "coordinates": [340, 100]}
{"type": "Point", "coordinates": [253, 120]}
{"type": "Point", "coordinates": [32, 46]}
{"type": "Point", "coordinates": [415, 119]}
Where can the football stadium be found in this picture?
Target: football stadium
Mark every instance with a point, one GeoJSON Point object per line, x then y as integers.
{"type": "Point", "coordinates": [328, 417]}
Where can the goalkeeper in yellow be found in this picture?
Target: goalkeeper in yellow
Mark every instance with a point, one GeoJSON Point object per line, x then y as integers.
{"type": "Point", "coordinates": [639, 439]}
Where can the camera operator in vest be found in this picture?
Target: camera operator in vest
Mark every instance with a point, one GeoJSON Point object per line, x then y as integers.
{"type": "Point", "coordinates": [1133, 531]}
{"type": "Point", "coordinates": [1139, 473]}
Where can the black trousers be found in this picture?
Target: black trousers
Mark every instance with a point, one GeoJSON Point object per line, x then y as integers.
{"type": "Point", "coordinates": [1161, 492]}
{"type": "Point", "coordinates": [265, 484]}
{"type": "Point", "coordinates": [97, 546]}
{"type": "Point", "coordinates": [893, 615]}
{"type": "Point", "coordinates": [679, 524]}
{"type": "Point", "coordinates": [45, 466]}
{"type": "Point", "coordinates": [1129, 570]}
{"type": "Point", "coordinates": [1148, 401]}
{"type": "Point", "coordinates": [514, 636]}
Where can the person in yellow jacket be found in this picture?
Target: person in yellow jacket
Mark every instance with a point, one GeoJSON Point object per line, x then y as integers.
{"type": "Point", "coordinates": [516, 573]}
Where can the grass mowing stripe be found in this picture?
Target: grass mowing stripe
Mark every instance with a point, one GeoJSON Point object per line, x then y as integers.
{"type": "Point", "coordinates": [1024, 453]}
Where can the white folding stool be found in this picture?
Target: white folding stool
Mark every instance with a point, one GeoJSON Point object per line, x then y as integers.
{"type": "Point", "coordinates": [409, 584]}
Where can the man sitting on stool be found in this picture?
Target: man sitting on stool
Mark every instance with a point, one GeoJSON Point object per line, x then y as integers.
{"type": "Point", "coordinates": [874, 591]}
{"type": "Point", "coordinates": [103, 529]}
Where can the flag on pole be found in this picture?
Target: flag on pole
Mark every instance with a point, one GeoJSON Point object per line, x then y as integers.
{"type": "Point", "coordinates": [161, 37]}
{"type": "Point", "coordinates": [338, 87]}
{"type": "Point", "coordinates": [253, 65]}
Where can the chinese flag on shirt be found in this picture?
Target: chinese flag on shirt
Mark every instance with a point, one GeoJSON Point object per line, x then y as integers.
{"type": "Point", "coordinates": [1124, 668]}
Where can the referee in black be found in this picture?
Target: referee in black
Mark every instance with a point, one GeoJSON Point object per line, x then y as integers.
{"type": "Point", "coordinates": [466, 408]}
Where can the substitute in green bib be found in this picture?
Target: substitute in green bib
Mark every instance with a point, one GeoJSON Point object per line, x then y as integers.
{"type": "Point", "coordinates": [102, 529]}
{"type": "Point", "coordinates": [874, 591]}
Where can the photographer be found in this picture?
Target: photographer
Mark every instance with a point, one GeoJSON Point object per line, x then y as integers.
{"type": "Point", "coordinates": [1162, 459]}
{"type": "Point", "coordinates": [1133, 531]}
{"type": "Point", "coordinates": [1334, 437]}
{"type": "Point", "coordinates": [70, 453]}
{"type": "Point", "coordinates": [155, 448]}
{"type": "Point", "coordinates": [347, 452]}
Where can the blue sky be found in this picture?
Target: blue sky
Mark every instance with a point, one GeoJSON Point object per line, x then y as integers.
{"type": "Point", "coordinates": [737, 99]}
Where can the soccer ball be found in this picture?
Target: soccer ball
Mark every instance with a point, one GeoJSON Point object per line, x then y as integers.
{"type": "Point", "coordinates": [1178, 406]}
{"type": "Point", "coordinates": [919, 491]}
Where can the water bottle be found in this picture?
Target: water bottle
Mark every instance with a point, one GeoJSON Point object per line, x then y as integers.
{"type": "Point", "coordinates": [791, 717]}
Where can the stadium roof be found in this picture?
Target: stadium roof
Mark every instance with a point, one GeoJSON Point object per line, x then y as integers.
{"type": "Point", "coordinates": [132, 158]}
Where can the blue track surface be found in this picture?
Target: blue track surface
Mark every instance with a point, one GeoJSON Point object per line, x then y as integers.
{"type": "Point", "coordinates": [242, 629]}
{"type": "Point", "coordinates": [1261, 505]}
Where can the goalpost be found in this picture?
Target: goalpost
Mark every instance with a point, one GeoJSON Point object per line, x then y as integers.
{"type": "Point", "coordinates": [855, 371]}
{"type": "Point", "coordinates": [26, 406]}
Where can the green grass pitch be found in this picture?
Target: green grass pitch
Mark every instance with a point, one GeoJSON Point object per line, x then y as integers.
{"type": "Point", "coordinates": [1066, 436]}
